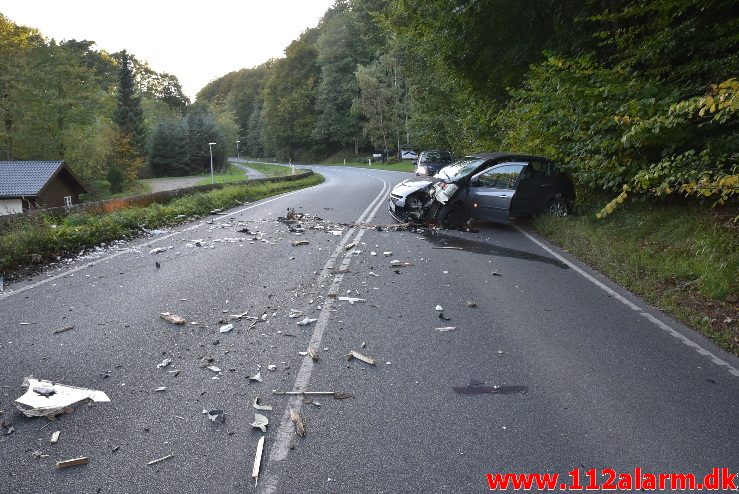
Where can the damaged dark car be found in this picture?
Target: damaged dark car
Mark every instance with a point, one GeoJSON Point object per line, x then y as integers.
{"type": "Point", "coordinates": [487, 186]}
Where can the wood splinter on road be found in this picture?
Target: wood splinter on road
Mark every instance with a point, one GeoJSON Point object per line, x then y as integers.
{"type": "Point", "coordinates": [82, 460]}
{"type": "Point", "coordinates": [159, 460]}
{"type": "Point", "coordinates": [359, 356]}
{"type": "Point", "coordinates": [61, 330]}
{"type": "Point", "coordinates": [299, 425]}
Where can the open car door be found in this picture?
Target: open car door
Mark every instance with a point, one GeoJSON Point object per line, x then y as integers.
{"type": "Point", "coordinates": [491, 192]}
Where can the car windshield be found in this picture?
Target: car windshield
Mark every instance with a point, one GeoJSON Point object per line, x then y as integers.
{"type": "Point", "coordinates": [460, 169]}
{"type": "Point", "coordinates": [436, 157]}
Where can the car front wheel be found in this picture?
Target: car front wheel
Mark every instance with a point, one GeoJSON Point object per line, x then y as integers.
{"type": "Point", "coordinates": [558, 207]}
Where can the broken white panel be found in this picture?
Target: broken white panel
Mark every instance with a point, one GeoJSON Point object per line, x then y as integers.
{"type": "Point", "coordinates": [443, 195]}
{"type": "Point", "coordinates": [33, 404]}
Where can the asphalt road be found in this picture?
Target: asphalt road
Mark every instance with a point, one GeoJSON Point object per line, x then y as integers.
{"type": "Point", "coordinates": [596, 378]}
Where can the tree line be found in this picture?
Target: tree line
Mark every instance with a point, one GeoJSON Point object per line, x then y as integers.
{"type": "Point", "coordinates": [99, 111]}
{"type": "Point", "coordinates": [630, 96]}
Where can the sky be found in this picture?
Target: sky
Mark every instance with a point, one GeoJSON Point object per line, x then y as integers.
{"type": "Point", "coordinates": [197, 42]}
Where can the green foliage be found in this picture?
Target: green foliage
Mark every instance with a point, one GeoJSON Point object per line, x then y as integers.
{"type": "Point", "coordinates": [116, 179]}
{"type": "Point", "coordinates": [128, 115]}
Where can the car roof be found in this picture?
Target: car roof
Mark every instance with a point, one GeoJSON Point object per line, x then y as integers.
{"type": "Point", "coordinates": [503, 155]}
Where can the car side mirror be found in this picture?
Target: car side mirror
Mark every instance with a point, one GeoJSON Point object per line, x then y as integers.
{"type": "Point", "coordinates": [475, 181]}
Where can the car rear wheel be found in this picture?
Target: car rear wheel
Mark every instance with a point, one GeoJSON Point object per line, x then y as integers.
{"type": "Point", "coordinates": [558, 207]}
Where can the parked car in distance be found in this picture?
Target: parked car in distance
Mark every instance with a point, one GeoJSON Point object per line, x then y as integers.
{"type": "Point", "coordinates": [430, 162]}
{"type": "Point", "coordinates": [487, 186]}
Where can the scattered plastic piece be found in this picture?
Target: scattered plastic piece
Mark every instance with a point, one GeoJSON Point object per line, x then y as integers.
{"type": "Point", "coordinates": [443, 317]}
{"type": "Point", "coordinates": [257, 460]}
{"type": "Point", "coordinates": [164, 363]}
{"type": "Point", "coordinates": [226, 328]}
{"type": "Point", "coordinates": [272, 367]}
{"type": "Point", "coordinates": [439, 308]}
{"type": "Point", "coordinates": [299, 425]}
{"type": "Point", "coordinates": [359, 356]}
{"type": "Point", "coordinates": [350, 246]}
{"type": "Point", "coordinates": [306, 321]}
{"type": "Point", "coordinates": [82, 460]}
{"type": "Point", "coordinates": [172, 318]}
{"type": "Point", "coordinates": [55, 437]}
{"type": "Point", "coordinates": [257, 406]}
{"type": "Point", "coordinates": [214, 368]}
{"type": "Point", "coordinates": [446, 329]}
{"type": "Point", "coordinates": [159, 460]}
{"type": "Point", "coordinates": [300, 242]}
{"type": "Point", "coordinates": [387, 254]}
{"type": "Point", "coordinates": [34, 405]}
{"type": "Point", "coordinates": [471, 304]}
{"type": "Point", "coordinates": [257, 377]}
{"type": "Point", "coordinates": [496, 273]}
{"type": "Point", "coordinates": [399, 264]}
{"type": "Point", "coordinates": [215, 415]}
{"type": "Point", "coordinates": [260, 422]}
{"type": "Point", "coordinates": [61, 330]}
{"type": "Point", "coordinates": [352, 300]}
{"type": "Point", "coordinates": [160, 389]}
{"type": "Point", "coordinates": [313, 354]}
{"type": "Point", "coordinates": [157, 250]}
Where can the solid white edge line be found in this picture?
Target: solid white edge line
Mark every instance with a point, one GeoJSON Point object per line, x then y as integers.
{"type": "Point", "coordinates": [281, 443]}
{"type": "Point", "coordinates": [665, 327]}
{"type": "Point", "coordinates": [8, 294]}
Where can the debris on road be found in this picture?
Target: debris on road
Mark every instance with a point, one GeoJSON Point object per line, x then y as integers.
{"type": "Point", "coordinates": [496, 273]}
{"type": "Point", "coordinates": [226, 328]}
{"type": "Point", "coordinates": [257, 460]}
{"type": "Point", "coordinates": [448, 248]}
{"type": "Point", "coordinates": [399, 264]}
{"type": "Point", "coordinates": [61, 330]}
{"type": "Point", "coordinates": [213, 368]}
{"type": "Point", "coordinates": [446, 329]}
{"type": "Point", "coordinates": [387, 253]}
{"type": "Point", "coordinates": [159, 460]}
{"type": "Point", "coordinates": [158, 250]}
{"type": "Point", "coordinates": [443, 317]}
{"type": "Point", "coordinates": [32, 404]}
{"type": "Point", "coordinates": [215, 415]}
{"type": "Point", "coordinates": [478, 387]}
{"type": "Point", "coordinates": [257, 406]}
{"type": "Point", "coordinates": [172, 318]}
{"type": "Point", "coordinates": [352, 300]}
{"type": "Point", "coordinates": [164, 363]}
{"type": "Point", "coordinates": [260, 422]}
{"type": "Point", "coordinates": [306, 321]}
{"type": "Point", "coordinates": [55, 437]}
{"type": "Point", "coordinates": [439, 308]}
{"type": "Point", "coordinates": [272, 367]}
{"type": "Point", "coordinates": [160, 389]}
{"type": "Point", "coordinates": [256, 377]}
{"type": "Point", "coordinates": [7, 426]}
{"type": "Point", "coordinates": [156, 263]}
{"type": "Point", "coordinates": [297, 243]}
{"type": "Point", "coordinates": [356, 355]}
{"type": "Point", "coordinates": [299, 425]}
{"type": "Point", "coordinates": [313, 354]}
{"type": "Point", "coordinates": [39, 455]}
{"type": "Point", "coordinates": [82, 460]}
{"type": "Point", "coordinates": [350, 246]}
{"type": "Point", "coordinates": [471, 304]}
{"type": "Point", "coordinates": [371, 273]}
{"type": "Point", "coordinates": [303, 393]}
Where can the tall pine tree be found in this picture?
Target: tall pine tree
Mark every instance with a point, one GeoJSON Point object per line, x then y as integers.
{"type": "Point", "coordinates": [130, 142]}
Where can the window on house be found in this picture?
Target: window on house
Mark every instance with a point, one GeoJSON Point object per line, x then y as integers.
{"type": "Point", "coordinates": [67, 201]}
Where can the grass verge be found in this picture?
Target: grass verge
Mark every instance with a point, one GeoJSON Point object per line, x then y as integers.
{"type": "Point", "coordinates": [403, 166]}
{"type": "Point", "coordinates": [40, 237]}
{"type": "Point", "coordinates": [270, 170]}
{"type": "Point", "coordinates": [231, 174]}
{"type": "Point", "coordinates": [681, 258]}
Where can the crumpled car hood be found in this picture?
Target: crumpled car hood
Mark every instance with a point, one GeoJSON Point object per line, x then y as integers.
{"type": "Point", "coordinates": [411, 185]}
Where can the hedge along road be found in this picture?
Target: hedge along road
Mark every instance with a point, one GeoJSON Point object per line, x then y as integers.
{"type": "Point", "coordinates": [604, 386]}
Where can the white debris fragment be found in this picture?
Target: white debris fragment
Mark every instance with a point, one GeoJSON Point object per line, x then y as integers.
{"type": "Point", "coordinates": [260, 422]}
{"type": "Point", "coordinates": [257, 460]}
{"type": "Point", "coordinates": [373, 253]}
{"type": "Point", "coordinates": [214, 368]}
{"type": "Point", "coordinates": [164, 363]}
{"type": "Point", "coordinates": [272, 367]}
{"type": "Point", "coordinates": [350, 246]}
{"type": "Point", "coordinates": [306, 321]}
{"type": "Point", "coordinates": [158, 250]}
{"type": "Point", "coordinates": [399, 264]}
{"type": "Point", "coordinates": [359, 356]}
{"type": "Point", "coordinates": [372, 273]}
{"type": "Point", "coordinates": [257, 406]}
{"type": "Point", "coordinates": [172, 318]}
{"type": "Point", "coordinates": [387, 254]}
{"type": "Point", "coordinates": [294, 314]}
{"type": "Point", "coordinates": [160, 389]}
{"type": "Point", "coordinates": [446, 329]}
{"type": "Point", "coordinates": [257, 377]}
{"type": "Point", "coordinates": [226, 328]}
{"type": "Point", "coordinates": [55, 399]}
{"type": "Point", "coordinates": [55, 437]}
{"type": "Point", "coordinates": [352, 300]}
{"type": "Point", "coordinates": [215, 415]}
{"type": "Point", "coordinates": [439, 308]}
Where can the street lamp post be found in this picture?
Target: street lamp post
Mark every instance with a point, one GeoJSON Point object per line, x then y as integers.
{"type": "Point", "coordinates": [210, 148]}
{"type": "Point", "coordinates": [238, 156]}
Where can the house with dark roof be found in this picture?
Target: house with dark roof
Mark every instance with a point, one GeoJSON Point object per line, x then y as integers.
{"type": "Point", "coordinates": [37, 184]}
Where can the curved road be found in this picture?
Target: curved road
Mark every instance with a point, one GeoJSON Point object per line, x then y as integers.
{"type": "Point", "coordinates": [589, 376]}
